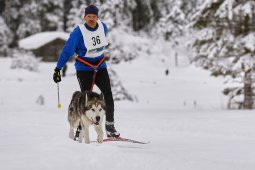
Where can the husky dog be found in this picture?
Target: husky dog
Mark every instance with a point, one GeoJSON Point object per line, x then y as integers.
{"type": "Point", "coordinates": [86, 108]}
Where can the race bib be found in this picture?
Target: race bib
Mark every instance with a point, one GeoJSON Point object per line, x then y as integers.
{"type": "Point", "coordinates": [94, 40]}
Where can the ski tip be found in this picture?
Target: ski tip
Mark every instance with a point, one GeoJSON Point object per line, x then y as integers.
{"type": "Point", "coordinates": [121, 139]}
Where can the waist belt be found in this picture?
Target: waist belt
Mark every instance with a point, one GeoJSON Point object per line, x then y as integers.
{"type": "Point", "coordinates": [95, 68]}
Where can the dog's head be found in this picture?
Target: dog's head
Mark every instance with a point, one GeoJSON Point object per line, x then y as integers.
{"type": "Point", "coordinates": [95, 107]}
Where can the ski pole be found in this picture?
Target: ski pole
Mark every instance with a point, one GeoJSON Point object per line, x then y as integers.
{"type": "Point", "coordinates": [59, 105]}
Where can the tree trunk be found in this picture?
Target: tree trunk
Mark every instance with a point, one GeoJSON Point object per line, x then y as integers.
{"type": "Point", "coordinates": [248, 94]}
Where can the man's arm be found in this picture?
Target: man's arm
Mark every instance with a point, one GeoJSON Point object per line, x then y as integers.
{"type": "Point", "coordinates": [69, 48]}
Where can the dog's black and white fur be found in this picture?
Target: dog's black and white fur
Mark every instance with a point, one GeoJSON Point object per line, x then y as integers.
{"type": "Point", "coordinates": [86, 108]}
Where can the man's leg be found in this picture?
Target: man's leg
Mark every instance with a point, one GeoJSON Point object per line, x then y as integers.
{"type": "Point", "coordinates": [85, 80]}
{"type": "Point", "coordinates": [103, 83]}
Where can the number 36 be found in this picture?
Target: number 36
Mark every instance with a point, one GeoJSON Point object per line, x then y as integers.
{"type": "Point", "coordinates": [96, 40]}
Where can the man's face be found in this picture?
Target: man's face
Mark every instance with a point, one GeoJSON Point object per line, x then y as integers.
{"type": "Point", "coordinates": [91, 20]}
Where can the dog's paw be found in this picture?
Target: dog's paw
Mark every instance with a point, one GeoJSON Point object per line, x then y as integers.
{"type": "Point", "coordinates": [71, 136]}
{"type": "Point", "coordinates": [100, 139]}
{"type": "Point", "coordinates": [87, 142]}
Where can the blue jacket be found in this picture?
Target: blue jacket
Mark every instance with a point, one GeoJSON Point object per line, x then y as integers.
{"type": "Point", "coordinates": [75, 44]}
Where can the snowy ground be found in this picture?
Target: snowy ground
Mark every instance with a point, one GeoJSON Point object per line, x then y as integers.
{"type": "Point", "coordinates": [183, 116]}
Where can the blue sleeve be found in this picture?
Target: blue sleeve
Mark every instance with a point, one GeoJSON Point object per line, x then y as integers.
{"type": "Point", "coordinates": [69, 48]}
{"type": "Point", "coordinates": [105, 28]}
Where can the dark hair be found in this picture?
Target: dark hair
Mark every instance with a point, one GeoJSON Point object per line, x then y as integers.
{"type": "Point", "coordinates": [91, 9]}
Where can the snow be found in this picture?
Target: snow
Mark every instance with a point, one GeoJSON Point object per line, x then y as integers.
{"type": "Point", "coordinates": [41, 39]}
{"type": "Point", "coordinates": [225, 10]}
{"type": "Point", "coordinates": [248, 8]}
{"type": "Point", "coordinates": [249, 41]}
{"type": "Point", "coordinates": [183, 116]}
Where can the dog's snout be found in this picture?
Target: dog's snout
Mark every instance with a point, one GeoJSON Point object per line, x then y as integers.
{"type": "Point", "coordinates": [98, 118]}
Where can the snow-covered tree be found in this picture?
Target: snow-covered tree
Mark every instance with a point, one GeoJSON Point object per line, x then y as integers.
{"type": "Point", "coordinates": [142, 15]}
{"type": "Point", "coordinates": [25, 60]}
{"type": "Point", "coordinates": [76, 14]}
{"type": "Point", "coordinates": [51, 14]}
{"type": "Point", "coordinates": [26, 17]}
{"type": "Point", "coordinates": [225, 45]}
{"type": "Point", "coordinates": [29, 22]}
{"type": "Point", "coordinates": [118, 91]}
{"type": "Point", "coordinates": [173, 22]}
{"type": "Point", "coordinates": [117, 13]}
{"type": "Point", "coordinates": [174, 18]}
{"type": "Point", "coordinates": [2, 6]}
{"type": "Point", "coordinates": [67, 5]}
{"type": "Point", "coordinates": [12, 18]}
{"type": "Point", "coordinates": [6, 37]}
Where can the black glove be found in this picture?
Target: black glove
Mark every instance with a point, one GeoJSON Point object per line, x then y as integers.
{"type": "Point", "coordinates": [56, 75]}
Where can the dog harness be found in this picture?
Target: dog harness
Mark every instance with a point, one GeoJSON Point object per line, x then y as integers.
{"type": "Point", "coordinates": [95, 68]}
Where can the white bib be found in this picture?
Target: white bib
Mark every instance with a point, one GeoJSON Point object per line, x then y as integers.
{"type": "Point", "coordinates": [94, 41]}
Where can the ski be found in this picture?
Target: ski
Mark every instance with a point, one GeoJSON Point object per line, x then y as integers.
{"type": "Point", "coordinates": [124, 140]}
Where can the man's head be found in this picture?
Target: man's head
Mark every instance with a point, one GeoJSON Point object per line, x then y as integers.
{"type": "Point", "coordinates": [91, 15]}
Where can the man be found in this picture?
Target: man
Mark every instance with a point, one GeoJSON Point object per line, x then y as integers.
{"type": "Point", "coordinates": [88, 41]}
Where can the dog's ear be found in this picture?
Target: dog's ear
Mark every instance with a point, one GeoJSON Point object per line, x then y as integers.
{"type": "Point", "coordinates": [89, 94]}
{"type": "Point", "coordinates": [101, 96]}
{"type": "Point", "coordinates": [86, 99]}
{"type": "Point", "coordinates": [86, 108]}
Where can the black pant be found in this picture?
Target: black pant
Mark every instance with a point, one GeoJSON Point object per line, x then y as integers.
{"type": "Point", "coordinates": [102, 81]}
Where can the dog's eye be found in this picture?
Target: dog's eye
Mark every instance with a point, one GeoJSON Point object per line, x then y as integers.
{"type": "Point", "coordinates": [100, 110]}
{"type": "Point", "coordinates": [93, 110]}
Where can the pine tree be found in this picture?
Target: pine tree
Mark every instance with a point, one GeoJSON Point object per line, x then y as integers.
{"type": "Point", "coordinates": [2, 6]}
{"type": "Point", "coordinates": [67, 5]}
{"type": "Point", "coordinates": [5, 37]}
{"type": "Point", "coordinates": [26, 17]}
{"type": "Point", "coordinates": [172, 23]}
{"type": "Point", "coordinates": [142, 15]}
{"type": "Point", "coordinates": [51, 14]}
{"type": "Point", "coordinates": [75, 16]}
{"type": "Point", "coordinates": [29, 20]}
{"type": "Point", "coordinates": [12, 18]}
{"type": "Point", "coordinates": [226, 45]}
{"type": "Point", "coordinates": [172, 18]}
